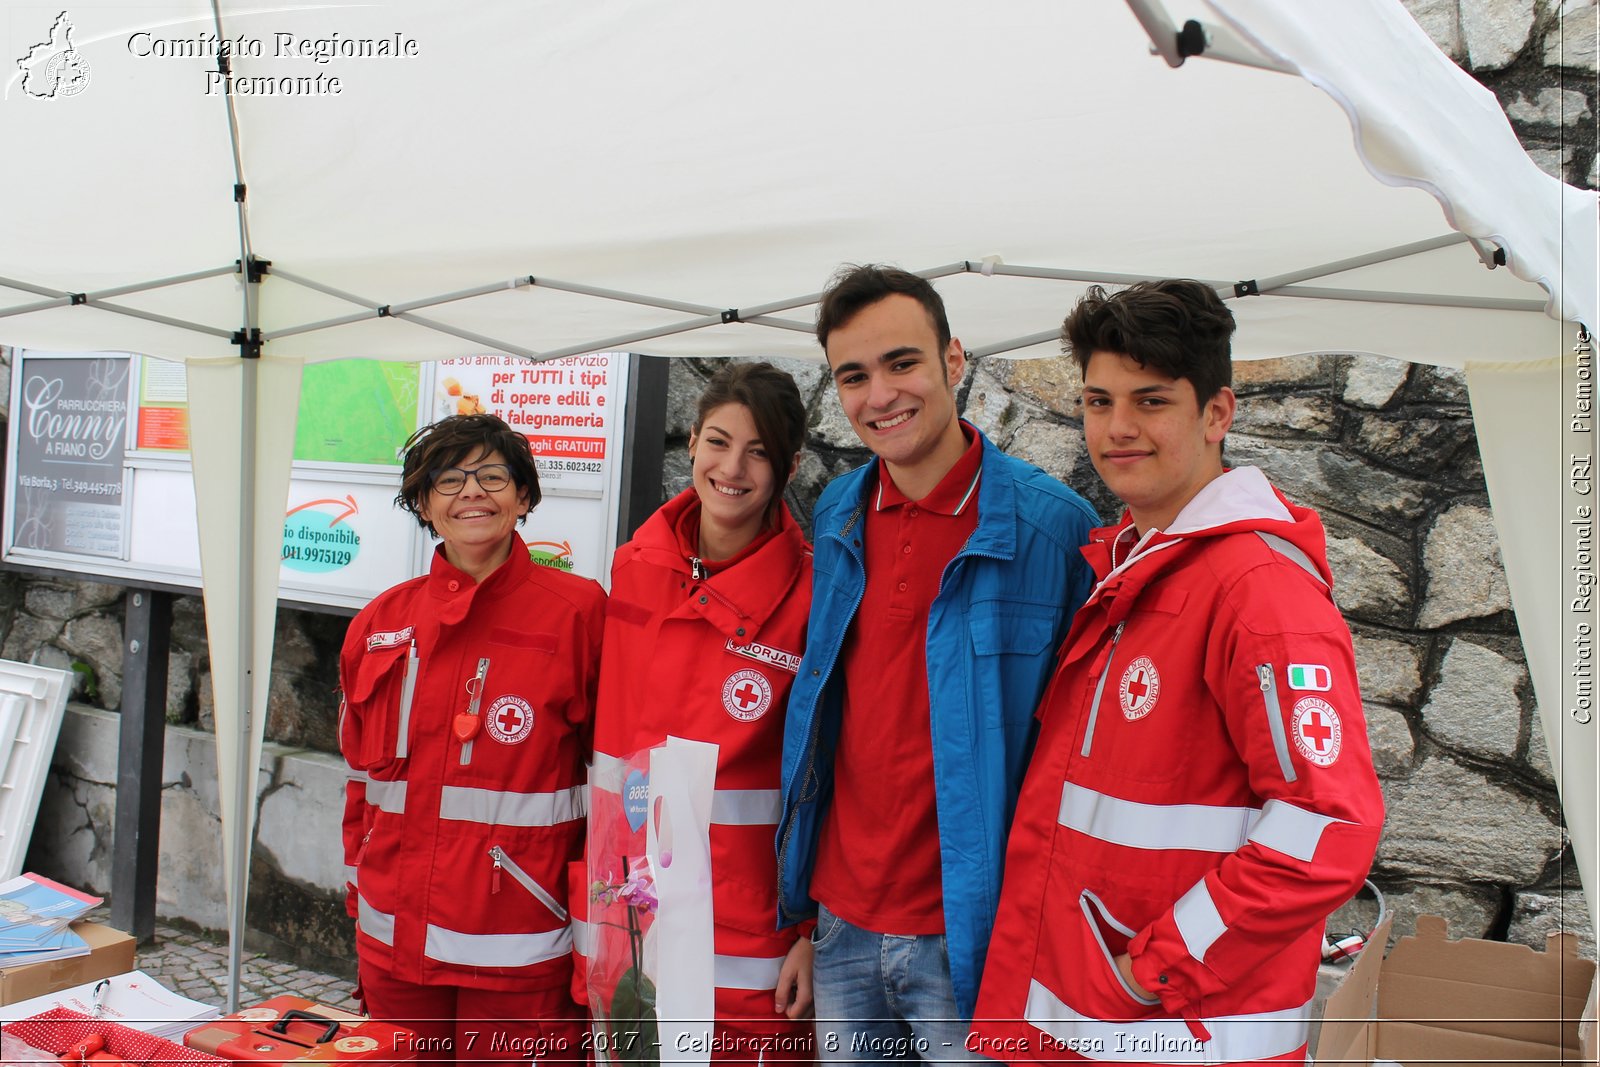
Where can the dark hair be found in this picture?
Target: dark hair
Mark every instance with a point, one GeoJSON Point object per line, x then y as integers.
{"type": "Point", "coordinates": [1176, 326]}
{"type": "Point", "coordinates": [855, 287]}
{"type": "Point", "coordinates": [449, 441]}
{"type": "Point", "coordinates": [774, 403]}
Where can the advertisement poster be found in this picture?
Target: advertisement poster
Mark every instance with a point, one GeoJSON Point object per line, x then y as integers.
{"type": "Point", "coordinates": [81, 494]}
{"type": "Point", "coordinates": [566, 407]}
{"type": "Point", "coordinates": [70, 437]}
{"type": "Point", "coordinates": [163, 406]}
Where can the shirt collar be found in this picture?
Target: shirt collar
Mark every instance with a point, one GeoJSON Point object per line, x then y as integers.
{"type": "Point", "coordinates": [956, 491]}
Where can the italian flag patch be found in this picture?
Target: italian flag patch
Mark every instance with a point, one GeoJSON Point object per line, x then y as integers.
{"type": "Point", "coordinates": [1313, 677]}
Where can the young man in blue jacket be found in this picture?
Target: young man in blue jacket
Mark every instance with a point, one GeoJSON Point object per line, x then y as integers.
{"type": "Point", "coordinates": [946, 574]}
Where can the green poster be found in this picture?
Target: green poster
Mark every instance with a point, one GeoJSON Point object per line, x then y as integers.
{"type": "Point", "coordinates": [356, 411]}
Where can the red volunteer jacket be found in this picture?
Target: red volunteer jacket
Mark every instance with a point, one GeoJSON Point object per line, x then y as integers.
{"type": "Point", "coordinates": [1202, 797]}
{"type": "Point", "coordinates": [458, 853]}
{"type": "Point", "coordinates": [712, 659]}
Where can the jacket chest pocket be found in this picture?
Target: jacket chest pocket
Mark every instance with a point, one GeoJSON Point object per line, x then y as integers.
{"type": "Point", "coordinates": [530, 707]}
{"type": "Point", "coordinates": [1011, 644]}
{"type": "Point", "coordinates": [1147, 699]}
{"type": "Point", "coordinates": [378, 704]}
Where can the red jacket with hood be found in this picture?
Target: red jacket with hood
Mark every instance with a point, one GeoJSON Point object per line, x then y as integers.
{"type": "Point", "coordinates": [708, 653]}
{"type": "Point", "coordinates": [455, 856]}
{"type": "Point", "coordinates": [1202, 797]}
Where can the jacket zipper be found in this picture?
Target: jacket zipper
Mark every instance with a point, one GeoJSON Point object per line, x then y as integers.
{"type": "Point", "coordinates": [408, 690]}
{"type": "Point", "coordinates": [816, 726]}
{"type": "Point", "coordinates": [1099, 687]}
{"type": "Point", "coordinates": [472, 708]}
{"type": "Point", "coordinates": [1274, 709]}
{"type": "Point", "coordinates": [697, 570]}
{"type": "Point", "coordinates": [540, 893]}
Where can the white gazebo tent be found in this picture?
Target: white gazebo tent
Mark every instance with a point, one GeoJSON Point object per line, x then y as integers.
{"type": "Point", "coordinates": [546, 178]}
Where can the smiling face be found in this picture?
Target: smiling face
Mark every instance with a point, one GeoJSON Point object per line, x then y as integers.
{"type": "Point", "coordinates": [898, 389]}
{"type": "Point", "coordinates": [732, 476]}
{"type": "Point", "coordinates": [475, 520]}
{"type": "Point", "coordinates": [1153, 443]}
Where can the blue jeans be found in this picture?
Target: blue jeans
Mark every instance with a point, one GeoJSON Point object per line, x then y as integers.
{"type": "Point", "coordinates": [883, 997]}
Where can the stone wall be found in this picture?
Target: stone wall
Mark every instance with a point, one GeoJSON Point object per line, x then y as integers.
{"type": "Point", "coordinates": [1384, 450]}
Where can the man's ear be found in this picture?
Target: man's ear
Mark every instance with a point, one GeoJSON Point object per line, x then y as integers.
{"type": "Point", "coordinates": [955, 361]}
{"type": "Point", "coordinates": [1220, 410]}
{"type": "Point", "coordinates": [794, 468]}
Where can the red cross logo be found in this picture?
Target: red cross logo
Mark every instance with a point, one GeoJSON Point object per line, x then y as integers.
{"type": "Point", "coordinates": [746, 695]}
{"type": "Point", "coordinates": [1140, 689]}
{"type": "Point", "coordinates": [510, 719]}
{"type": "Point", "coordinates": [1317, 731]}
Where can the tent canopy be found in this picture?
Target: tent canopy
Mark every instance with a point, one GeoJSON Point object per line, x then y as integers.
{"type": "Point", "coordinates": [515, 166]}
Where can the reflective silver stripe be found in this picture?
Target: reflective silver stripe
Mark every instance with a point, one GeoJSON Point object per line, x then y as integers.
{"type": "Point", "coordinates": [1269, 700]}
{"type": "Point", "coordinates": [350, 875]}
{"type": "Point", "coordinates": [387, 796]}
{"type": "Point", "coordinates": [495, 950]}
{"type": "Point", "coordinates": [1197, 827]}
{"type": "Point", "coordinates": [1198, 920]}
{"type": "Point", "coordinates": [1289, 551]}
{"type": "Point", "coordinates": [1092, 905]}
{"type": "Point", "coordinates": [466, 804]}
{"type": "Point", "coordinates": [408, 692]}
{"type": "Point", "coordinates": [746, 807]}
{"type": "Point", "coordinates": [1234, 1038]}
{"type": "Point", "coordinates": [746, 972]}
{"type": "Point", "coordinates": [378, 925]}
{"type": "Point", "coordinates": [607, 772]}
{"type": "Point", "coordinates": [729, 807]}
{"type": "Point", "coordinates": [582, 938]}
{"type": "Point", "coordinates": [1291, 830]}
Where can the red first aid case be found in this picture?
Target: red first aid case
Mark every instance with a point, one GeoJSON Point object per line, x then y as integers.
{"type": "Point", "coordinates": [85, 1041]}
{"type": "Point", "coordinates": [291, 1030]}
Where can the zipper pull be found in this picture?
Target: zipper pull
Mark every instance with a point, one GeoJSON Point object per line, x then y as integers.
{"type": "Point", "coordinates": [494, 875]}
{"type": "Point", "coordinates": [1264, 673]}
{"type": "Point", "coordinates": [362, 851]}
{"type": "Point", "coordinates": [697, 570]}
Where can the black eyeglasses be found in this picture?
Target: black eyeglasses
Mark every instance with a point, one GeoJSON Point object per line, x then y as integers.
{"type": "Point", "coordinates": [492, 477]}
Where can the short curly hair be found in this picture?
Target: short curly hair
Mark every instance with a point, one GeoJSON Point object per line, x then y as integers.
{"type": "Point", "coordinates": [447, 443]}
{"type": "Point", "coordinates": [1178, 327]}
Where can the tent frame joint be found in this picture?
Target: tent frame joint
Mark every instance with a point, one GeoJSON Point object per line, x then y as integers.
{"type": "Point", "coordinates": [78, 298]}
{"type": "Point", "coordinates": [249, 342]}
{"type": "Point", "coordinates": [731, 315]}
{"type": "Point", "coordinates": [1248, 287]}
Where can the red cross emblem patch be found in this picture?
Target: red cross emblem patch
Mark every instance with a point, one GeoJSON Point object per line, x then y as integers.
{"type": "Point", "coordinates": [1317, 731]}
{"type": "Point", "coordinates": [509, 720]}
{"type": "Point", "coordinates": [747, 695]}
{"type": "Point", "coordinates": [1140, 687]}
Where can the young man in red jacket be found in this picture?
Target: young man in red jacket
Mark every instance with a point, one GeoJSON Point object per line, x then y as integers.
{"type": "Point", "coordinates": [1202, 794]}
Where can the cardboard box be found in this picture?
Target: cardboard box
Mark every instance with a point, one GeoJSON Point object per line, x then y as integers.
{"type": "Point", "coordinates": [110, 952]}
{"type": "Point", "coordinates": [1440, 1002]}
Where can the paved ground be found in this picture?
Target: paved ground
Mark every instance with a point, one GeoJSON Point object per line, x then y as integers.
{"type": "Point", "coordinates": [197, 966]}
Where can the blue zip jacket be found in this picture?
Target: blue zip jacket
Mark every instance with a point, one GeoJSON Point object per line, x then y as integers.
{"type": "Point", "coordinates": [1003, 607]}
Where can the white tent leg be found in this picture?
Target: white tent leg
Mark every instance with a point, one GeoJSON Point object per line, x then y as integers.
{"type": "Point", "coordinates": [1535, 466]}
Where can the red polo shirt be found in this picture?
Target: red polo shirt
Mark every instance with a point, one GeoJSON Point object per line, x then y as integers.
{"type": "Point", "coordinates": [878, 858]}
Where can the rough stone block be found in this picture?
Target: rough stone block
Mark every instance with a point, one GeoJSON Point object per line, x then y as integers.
{"type": "Point", "coordinates": [1052, 447]}
{"type": "Point", "coordinates": [1553, 161]}
{"type": "Point", "coordinates": [1328, 480]}
{"type": "Point", "coordinates": [1052, 382]}
{"type": "Point", "coordinates": [992, 408]}
{"type": "Point", "coordinates": [1464, 575]}
{"type": "Point", "coordinates": [1535, 916]}
{"type": "Point", "coordinates": [1393, 747]}
{"type": "Point", "coordinates": [1366, 584]}
{"type": "Point", "coordinates": [1474, 706]}
{"type": "Point", "coordinates": [1419, 444]}
{"type": "Point", "coordinates": [49, 601]}
{"type": "Point", "coordinates": [1440, 20]}
{"type": "Point", "coordinates": [1550, 107]}
{"type": "Point", "coordinates": [1470, 910]}
{"type": "Point", "coordinates": [97, 640]}
{"type": "Point", "coordinates": [684, 383]}
{"type": "Point", "coordinates": [1390, 672]}
{"type": "Point", "coordinates": [1373, 381]}
{"type": "Point", "coordinates": [1446, 822]}
{"type": "Point", "coordinates": [1571, 42]}
{"type": "Point", "coordinates": [1287, 416]}
{"type": "Point", "coordinates": [1495, 31]}
{"type": "Point", "coordinates": [1256, 375]}
{"type": "Point", "coordinates": [829, 427]}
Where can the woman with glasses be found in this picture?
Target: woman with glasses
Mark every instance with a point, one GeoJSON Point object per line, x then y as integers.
{"type": "Point", "coordinates": [704, 630]}
{"type": "Point", "coordinates": [467, 702]}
